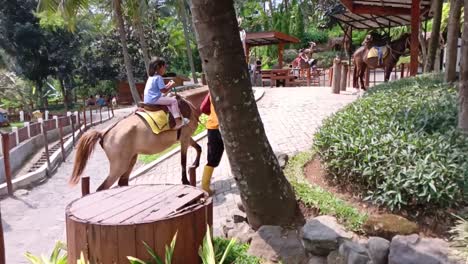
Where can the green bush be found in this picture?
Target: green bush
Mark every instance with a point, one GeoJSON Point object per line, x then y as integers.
{"type": "Point", "coordinates": [325, 59]}
{"type": "Point", "coordinates": [316, 35]}
{"type": "Point", "coordinates": [237, 253]}
{"type": "Point", "coordinates": [399, 144]}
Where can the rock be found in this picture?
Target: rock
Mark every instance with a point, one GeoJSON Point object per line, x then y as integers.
{"type": "Point", "coordinates": [241, 207]}
{"type": "Point", "coordinates": [238, 216]}
{"type": "Point", "coordinates": [378, 249]}
{"type": "Point", "coordinates": [335, 258]}
{"type": "Point", "coordinates": [282, 159]}
{"type": "Point", "coordinates": [416, 250]}
{"type": "Point", "coordinates": [389, 225]}
{"type": "Point", "coordinates": [317, 260]}
{"type": "Point", "coordinates": [322, 235]}
{"type": "Point", "coordinates": [242, 232]}
{"type": "Point", "coordinates": [228, 225]}
{"type": "Point", "coordinates": [354, 253]}
{"type": "Point", "coordinates": [273, 243]}
{"type": "Point", "coordinates": [21, 192]}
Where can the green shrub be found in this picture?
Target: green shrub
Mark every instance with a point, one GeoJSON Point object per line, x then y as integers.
{"type": "Point", "coordinates": [58, 256]}
{"type": "Point", "coordinates": [237, 253]}
{"type": "Point", "coordinates": [316, 35]}
{"type": "Point", "coordinates": [399, 144]}
{"type": "Point", "coordinates": [325, 59]}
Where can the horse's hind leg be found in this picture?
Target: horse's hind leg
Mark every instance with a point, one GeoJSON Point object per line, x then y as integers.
{"type": "Point", "coordinates": [198, 148]}
{"type": "Point", "coordinates": [117, 169]}
{"type": "Point", "coordinates": [123, 181]}
{"type": "Point", "coordinates": [183, 161]}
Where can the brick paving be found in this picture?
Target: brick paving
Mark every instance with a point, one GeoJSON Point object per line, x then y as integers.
{"type": "Point", "coordinates": [34, 221]}
{"type": "Point", "coordinates": [290, 116]}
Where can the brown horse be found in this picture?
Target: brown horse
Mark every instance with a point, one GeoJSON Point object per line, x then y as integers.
{"type": "Point", "coordinates": [131, 136]}
{"type": "Point", "coordinates": [361, 62]}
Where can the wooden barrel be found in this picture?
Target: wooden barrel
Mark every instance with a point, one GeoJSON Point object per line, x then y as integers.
{"type": "Point", "coordinates": [110, 225]}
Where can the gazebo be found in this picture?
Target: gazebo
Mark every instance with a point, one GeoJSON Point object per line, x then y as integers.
{"type": "Point", "coordinates": [254, 39]}
{"type": "Point", "coordinates": [372, 14]}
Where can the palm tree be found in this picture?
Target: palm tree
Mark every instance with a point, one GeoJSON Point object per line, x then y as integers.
{"type": "Point", "coordinates": [183, 16]}
{"type": "Point", "coordinates": [267, 195]}
{"type": "Point", "coordinates": [463, 92]}
{"type": "Point", "coordinates": [453, 32]}
{"type": "Point", "coordinates": [69, 10]}
{"type": "Point", "coordinates": [137, 10]}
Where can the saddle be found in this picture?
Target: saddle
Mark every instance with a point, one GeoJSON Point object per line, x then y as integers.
{"type": "Point", "coordinates": [378, 52]}
{"type": "Point", "coordinates": [159, 118]}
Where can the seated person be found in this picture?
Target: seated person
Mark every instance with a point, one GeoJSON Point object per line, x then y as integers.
{"type": "Point", "coordinates": [155, 88]}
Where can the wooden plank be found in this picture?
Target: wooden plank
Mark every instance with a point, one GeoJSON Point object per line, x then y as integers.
{"type": "Point", "coordinates": [81, 243]}
{"type": "Point", "coordinates": [380, 10]}
{"type": "Point", "coordinates": [171, 207]}
{"type": "Point", "coordinates": [94, 239]}
{"type": "Point", "coordinates": [6, 161]}
{"type": "Point", "coordinates": [2, 243]}
{"type": "Point", "coordinates": [144, 233]}
{"type": "Point", "coordinates": [136, 202]}
{"type": "Point", "coordinates": [71, 238]}
{"type": "Point", "coordinates": [126, 238]}
{"type": "Point", "coordinates": [164, 231]}
{"type": "Point", "coordinates": [109, 245]}
{"type": "Point", "coordinates": [91, 200]}
{"type": "Point", "coordinates": [185, 250]}
{"type": "Point", "coordinates": [153, 210]}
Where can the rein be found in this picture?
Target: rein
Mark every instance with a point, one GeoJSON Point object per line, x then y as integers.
{"type": "Point", "coordinates": [392, 51]}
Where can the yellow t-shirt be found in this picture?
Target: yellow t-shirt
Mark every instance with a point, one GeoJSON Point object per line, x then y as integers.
{"type": "Point", "coordinates": [212, 122]}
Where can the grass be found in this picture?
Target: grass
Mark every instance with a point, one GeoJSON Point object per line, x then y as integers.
{"type": "Point", "coordinates": [146, 159]}
{"type": "Point", "coordinates": [237, 254]}
{"type": "Point", "coordinates": [314, 196]}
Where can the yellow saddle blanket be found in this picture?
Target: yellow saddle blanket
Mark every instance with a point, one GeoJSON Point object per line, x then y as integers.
{"type": "Point", "coordinates": [380, 52]}
{"type": "Point", "coordinates": [157, 120]}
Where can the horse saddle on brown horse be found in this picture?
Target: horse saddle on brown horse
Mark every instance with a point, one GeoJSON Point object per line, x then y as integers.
{"type": "Point", "coordinates": [159, 118]}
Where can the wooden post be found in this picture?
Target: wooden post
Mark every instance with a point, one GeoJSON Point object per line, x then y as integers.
{"type": "Point", "coordinates": [414, 50]}
{"type": "Point", "coordinates": [2, 243]}
{"type": "Point", "coordinates": [373, 70]}
{"type": "Point", "coordinates": [90, 116]}
{"type": "Point", "coordinates": [112, 110]}
{"type": "Point", "coordinates": [6, 161]}
{"type": "Point", "coordinates": [402, 74]}
{"type": "Point", "coordinates": [247, 53]}
{"type": "Point", "coordinates": [85, 186]}
{"type": "Point", "coordinates": [100, 114]}
{"type": "Point", "coordinates": [193, 175]}
{"type": "Point", "coordinates": [46, 145]}
{"type": "Point", "coordinates": [108, 112]}
{"type": "Point", "coordinates": [280, 54]}
{"type": "Point", "coordinates": [60, 130]}
{"type": "Point", "coordinates": [344, 77]}
{"type": "Point", "coordinates": [330, 76]}
{"type": "Point", "coordinates": [308, 76]}
{"type": "Point", "coordinates": [72, 123]}
{"type": "Point", "coordinates": [84, 117]}
{"type": "Point", "coordinates": [367, 76]}
{"type": "Point", "coordinates": [336, 75]}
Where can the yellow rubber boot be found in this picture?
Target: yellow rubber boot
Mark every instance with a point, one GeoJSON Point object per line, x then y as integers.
{"type": "Point", "coordinates": [206, 180]}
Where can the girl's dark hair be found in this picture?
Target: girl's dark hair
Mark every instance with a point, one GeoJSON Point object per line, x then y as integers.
{"type": "Point", "coordinates": [155, 64]}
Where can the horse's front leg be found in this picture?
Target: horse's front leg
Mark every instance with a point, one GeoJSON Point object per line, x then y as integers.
{"type": "Point", "coordinates": [197, 147]}
{"type": "Point", "coordinates": [183, 162]}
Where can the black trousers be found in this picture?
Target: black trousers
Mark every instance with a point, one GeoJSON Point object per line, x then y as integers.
{"type": "Point", "coordinates": [215, 147]}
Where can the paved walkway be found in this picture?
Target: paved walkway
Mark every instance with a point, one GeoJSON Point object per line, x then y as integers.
{"type": "Point", "coordinates": [290, 117]}
{"type": "Point", "coordinates": [34, 221]}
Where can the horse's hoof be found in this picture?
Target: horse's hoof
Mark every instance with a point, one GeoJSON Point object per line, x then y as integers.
{"type": "Point", "coordinates": [185, 182]}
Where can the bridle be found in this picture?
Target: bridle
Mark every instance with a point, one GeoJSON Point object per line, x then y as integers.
{"type": "Point", "coordinates": [393, 52]}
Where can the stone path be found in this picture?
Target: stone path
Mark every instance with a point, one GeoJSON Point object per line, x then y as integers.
{"type": "Point", "coordinates": [34, 221]}
{"type": "Point", "coordinates": [290, 117]}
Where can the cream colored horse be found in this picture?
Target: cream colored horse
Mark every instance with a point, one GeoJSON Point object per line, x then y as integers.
{"type": "Point", "coordinates": [132, 136]}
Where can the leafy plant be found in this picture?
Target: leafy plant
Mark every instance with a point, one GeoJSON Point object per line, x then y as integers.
{"type": "Point", "coordinates": [460, 238]}
{"type": "Point", "coordinates": [56, 257]}
{"type": "Point", "coordinates": [155, 258]}
{"type": "Point", "coordinates": [207, 252]}
{"type": "Point", "coordinates": [399, 144]}
{"type": "Point", "coordinates": [237, 254]}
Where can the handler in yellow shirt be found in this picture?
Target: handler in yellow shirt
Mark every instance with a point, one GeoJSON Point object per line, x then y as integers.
{"type": "Point", "coordinates": [215, 149]}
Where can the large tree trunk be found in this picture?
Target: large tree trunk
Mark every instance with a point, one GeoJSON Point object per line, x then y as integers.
{"type": "Point", "coordinates": [123, 40]}
{"type": "Point", "coordinates": [183, 16]}
{"type": "Point", "coordinates": [435, 34]}
{"type": "Point", "coordinates": [144, 46]}
{"type": "Point", "coordinates": [267, 195]}
{"type": "Point", "coordinates": [463, 93]}
{"type": "Point", "coordinates": [452, 40]}
{"type": "Point", "coordinates": [64, 94]}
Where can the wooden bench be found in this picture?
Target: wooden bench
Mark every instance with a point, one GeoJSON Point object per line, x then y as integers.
{"type": "Point", "coordinates": [278, 76]}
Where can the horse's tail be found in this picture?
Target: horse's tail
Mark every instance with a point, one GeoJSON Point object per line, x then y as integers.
{"type": "Point", "coordinates": [84, 150]}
